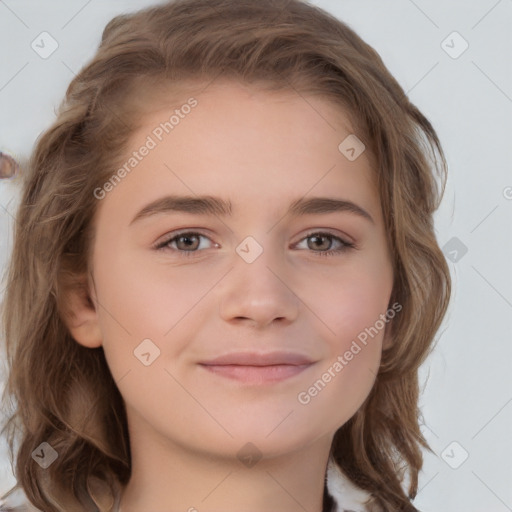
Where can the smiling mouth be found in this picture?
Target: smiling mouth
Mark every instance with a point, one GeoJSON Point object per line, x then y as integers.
{"type": "Point", "coordinates": [258, 375]}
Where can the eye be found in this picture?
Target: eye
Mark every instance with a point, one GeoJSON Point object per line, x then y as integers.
{"type": "Point", "coordinates": [322, 243]}
{"type": "Point", "coordinates": [186, 242]}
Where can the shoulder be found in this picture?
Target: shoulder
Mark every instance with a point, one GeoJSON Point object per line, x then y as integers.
{"type": "Point", "coordinates": [16, 501]}
{"type": "Point", "coordinates": [347, 496]}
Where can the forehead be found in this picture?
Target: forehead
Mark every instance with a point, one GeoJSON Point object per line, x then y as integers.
{"type": "Point", "coordinates": [238, 140]}
{"type": "Point", "coordinates": [153, 99]}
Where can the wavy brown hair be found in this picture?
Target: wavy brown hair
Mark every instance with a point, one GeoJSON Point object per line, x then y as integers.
{"type": "Point", "coordinates": [63, 393]}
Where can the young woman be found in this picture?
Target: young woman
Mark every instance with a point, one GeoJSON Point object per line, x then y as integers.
{"type": "Point", "coordinates": [225, 274]}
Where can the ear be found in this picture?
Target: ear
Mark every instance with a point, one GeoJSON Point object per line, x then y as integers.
{"type": "Point", "coordinates": [80, 314]}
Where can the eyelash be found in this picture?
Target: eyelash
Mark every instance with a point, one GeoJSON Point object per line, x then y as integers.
{"type": "Point", "coordinates": [346, 246]}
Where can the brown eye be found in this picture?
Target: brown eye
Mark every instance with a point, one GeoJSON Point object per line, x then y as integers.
{"type": "Point", "coordinates": [325, 244]}
{"type": "Point", "coordinates": [8, 166]}
{"type": "Point", "coordinates": [321, 242]}
{"type": "Point", "coordinates": [187, 242]}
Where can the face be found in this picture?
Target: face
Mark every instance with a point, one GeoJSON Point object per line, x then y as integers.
{"type": "Point", "coordinates": [267, 269]}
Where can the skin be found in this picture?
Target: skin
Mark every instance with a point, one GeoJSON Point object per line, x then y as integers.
{"type": "Point", "coordinates": [260, 150]}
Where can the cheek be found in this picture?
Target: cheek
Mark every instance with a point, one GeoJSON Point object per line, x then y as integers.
{"type": "Point", "coordinates": [351, 301]}
{"type": "Point", "coordinates": [351, 308]}
{"type": "Point", "coordinates": [129, 292]}
{"type": "Point", "coordinates": [139, 302]}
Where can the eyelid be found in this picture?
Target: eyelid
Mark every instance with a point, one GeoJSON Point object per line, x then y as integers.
{"type": "Point", "coordinates": [165, 239]}
{"type": "Point", "coordinates": [346, 241]}
{"type": "Point", "coordinates": [328, 232]}
{"type": "Point", "coordinates": [310, 232]}
{"type": "Point", "coordinates": [346, 245]}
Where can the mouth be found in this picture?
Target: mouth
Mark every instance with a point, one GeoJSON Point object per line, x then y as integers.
{"type": "Point", "coordinates": [258, 369]}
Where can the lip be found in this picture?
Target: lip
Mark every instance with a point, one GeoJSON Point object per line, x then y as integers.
{"type": "Point", "coordinates": [259, 359]}
{"type": "Point", "coordinates": [254, 368]}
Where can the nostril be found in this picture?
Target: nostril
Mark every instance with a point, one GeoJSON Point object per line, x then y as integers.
{"type": "Point", "coordinates": [8, 166]}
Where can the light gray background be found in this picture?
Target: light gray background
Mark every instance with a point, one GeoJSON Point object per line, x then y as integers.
{"type": "Point", "coordinates": [467, 399]}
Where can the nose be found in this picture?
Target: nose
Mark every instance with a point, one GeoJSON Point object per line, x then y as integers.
{"type": "Point", "coordinates": [259, 293]}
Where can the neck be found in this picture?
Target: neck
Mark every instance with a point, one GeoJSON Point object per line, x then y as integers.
{"type": "Point", "coordinates": [168, 476]}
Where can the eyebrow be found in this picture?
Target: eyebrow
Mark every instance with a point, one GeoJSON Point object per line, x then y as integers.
{"type": "Point", "coordinates": [220, 207]}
